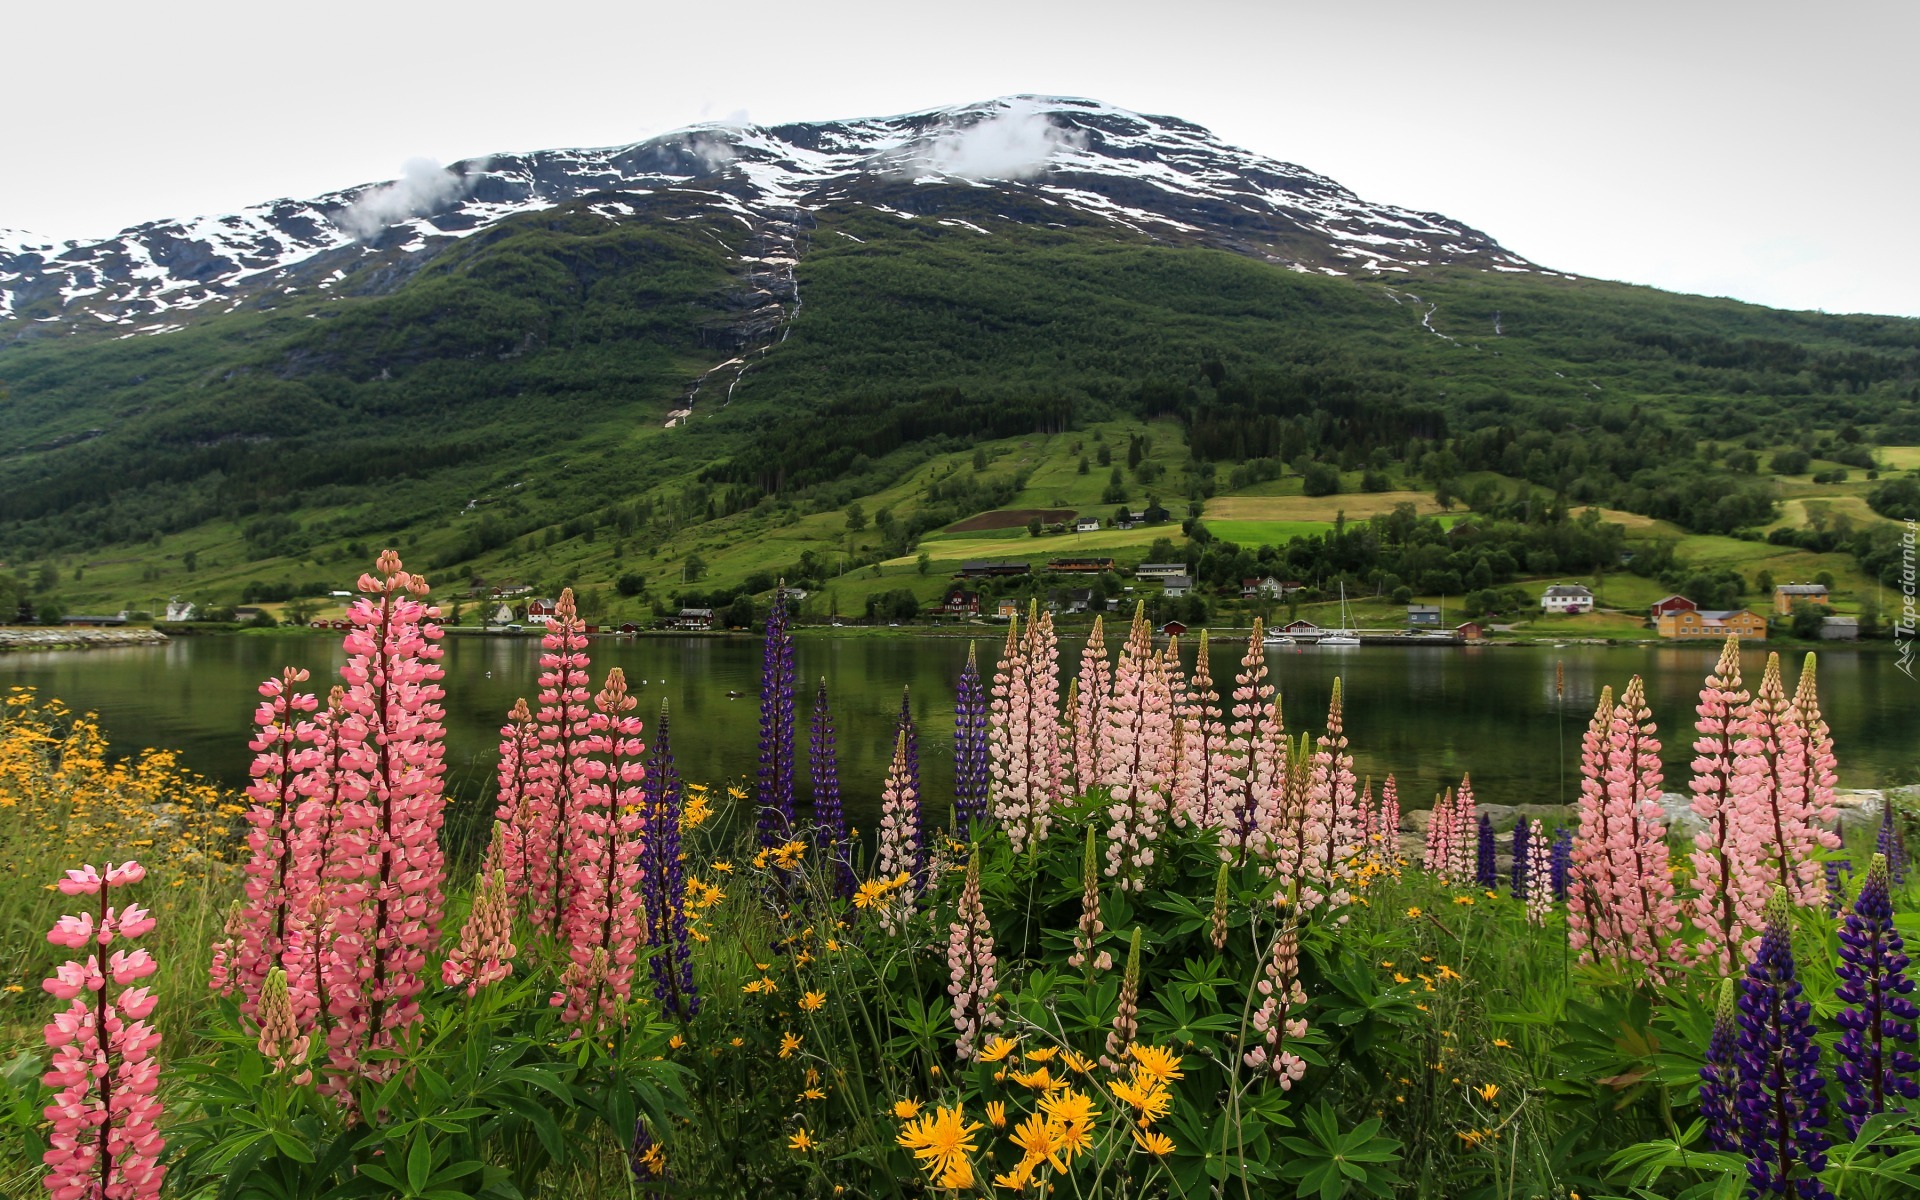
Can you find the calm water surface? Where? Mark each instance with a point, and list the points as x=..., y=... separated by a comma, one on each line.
x=1427, y=715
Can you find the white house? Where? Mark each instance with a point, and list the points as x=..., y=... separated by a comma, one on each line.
x=1177, y=585
x=502, y=615
x=1566, y=598
x=1159, y=570
x=1087, y=525
x=181, y=610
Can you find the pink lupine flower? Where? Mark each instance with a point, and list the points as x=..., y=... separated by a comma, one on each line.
x=1539, y=874
x=387, y=910
x=1433, y=855
x=486, y=950
x=1771, y=776
x=105, y=1138
x=1282, y=998
x=1139, y=751
x=1204, y=787
x=1243, y=791
x=1332, y=833
x=273, y=881
x=341, y=761
x=605, y=925
x=1087, y=932
x=281, y=1042
x=899, y=840
x=1089, y=715
x=1591, y=917
x=1628, y=871
x=1817, y=764
x=1024, y=732
x=558, y=782
x=1462, y=841
x=1389, y=824
x=520, y=756
x=970, y=967
x=1726, y=906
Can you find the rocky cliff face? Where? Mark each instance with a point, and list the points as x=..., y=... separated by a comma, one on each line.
x=1026, y=158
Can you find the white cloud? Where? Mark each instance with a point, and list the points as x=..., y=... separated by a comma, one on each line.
x=1017, y=144
x=423, y=186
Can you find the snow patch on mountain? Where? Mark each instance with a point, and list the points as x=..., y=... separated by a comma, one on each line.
x=1156, y=176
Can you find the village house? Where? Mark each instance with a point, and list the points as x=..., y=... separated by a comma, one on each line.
x=539, y=612
x=983, y=568
x=1087, y=525
x=1566, y=598
x=1670, y=604
x=1081, y=566
x=501, y=615
x=1301, y=628
x=1173, y=629
x=1176, y=585
x=1689, y=624
x=1070, y=600
x=958, y=602
x=1159, y=570
x=1008, y=609
x=1423, y=616
x=1471, y=631
x=687, y=618
x=181, y=610
x=1840, y=629
x=1253, y=589
x=1786, y=595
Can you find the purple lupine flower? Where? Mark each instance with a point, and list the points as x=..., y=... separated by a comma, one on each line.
x=905, y=728
x=1486, y=869
x=1719, y=1077
x=1888, y=842
x=829, y=819
x=773, y=791
x=1836, y=888
x=969, y=751
x=1876, y=1066
x=666, y=887
x=1520, y=860
x=1562, y=862
x=1781, y=1098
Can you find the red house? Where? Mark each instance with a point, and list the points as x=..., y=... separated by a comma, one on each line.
x=1173, y=628
x=960, y=602
x=539, y=612
x=1671, y=604
x=1471, y=631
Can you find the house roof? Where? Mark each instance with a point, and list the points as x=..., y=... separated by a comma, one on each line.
x=1675, y=596
x=1800, y=589
x=1721, y=614
x=1423, y=608
x=1178, y=581
x=1568, y=591
x=1842, y=622
x=1172, y=566
x=696, y=612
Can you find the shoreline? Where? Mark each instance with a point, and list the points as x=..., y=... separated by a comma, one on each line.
x=77, y=638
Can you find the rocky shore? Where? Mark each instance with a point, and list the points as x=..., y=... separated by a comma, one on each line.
x=77, y=638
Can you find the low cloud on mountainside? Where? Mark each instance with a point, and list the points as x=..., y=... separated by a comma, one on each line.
x=1010, y=145
x=424, y=185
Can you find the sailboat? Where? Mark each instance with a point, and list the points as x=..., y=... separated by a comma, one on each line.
x=1343, y=636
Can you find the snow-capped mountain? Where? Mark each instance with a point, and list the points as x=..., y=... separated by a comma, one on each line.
x=1156, y=175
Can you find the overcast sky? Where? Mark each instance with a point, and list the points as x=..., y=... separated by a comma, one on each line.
x=1760, y=150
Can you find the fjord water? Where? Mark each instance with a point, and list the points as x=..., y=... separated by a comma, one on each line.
x=1427, y=715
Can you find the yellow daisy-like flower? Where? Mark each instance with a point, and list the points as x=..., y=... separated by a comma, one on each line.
x=1488, y=1092
x=1412, y=913
x=1154, y=1142
x=812, y=1001
x=1078, y=1063
x=997, y=1049
x=1043, y=1054
x=1158, y=1062
x=941, y=1140
x=812, y=1093
x=1039, y=1079
x=997, y=1113
x=789, y=1043
x=738, y=1042
x=1039, y=1141
x=1069, y=1107
x=721, y=864
x=906, y=1110
x=1016, y=1179
x=676, y=1041
x=1399, y=978
x=1145, y=1096
x=801, y=1141
x=957, y=1177
x=869, y=894
x=1503, y=1043
x=1467, y=900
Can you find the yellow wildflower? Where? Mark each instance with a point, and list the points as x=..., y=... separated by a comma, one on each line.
x=812, y=1093
x=997, y=1113
x=1039, y=1079
x=1043, y=1054
x=1488, y=1092
x=1039, y=1141
x=1157, y=1062
x=1154, y=1142
x=1503, y=1043
x=801, y=1142
x=941, y=1141
x=906, y=1110
x=1412, y=913
x=789, y=1043
x=812, y=1001
x=997, y=1049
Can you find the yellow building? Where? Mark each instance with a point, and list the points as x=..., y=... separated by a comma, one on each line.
x=1686, y=625
x=1786, y=595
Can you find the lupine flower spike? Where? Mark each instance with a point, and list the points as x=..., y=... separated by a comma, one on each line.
x=823, y=764
x=1486, y=864
x=666, y=886
x=1090, y=928
x=773, y=788
x=1877, y=1063
x=1126, y=1018
x=276, y=888
x=1889, y=843
x=105, y=1137
x=391, y=871
x=1727, y=900
x=1719, y=1077
x=1540, y=894
x=970, y=966
x=1520, y=859
x=565, y=720
x=899, y=826
x=970, y=771
x=1781, y=1099
x=605, y=924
